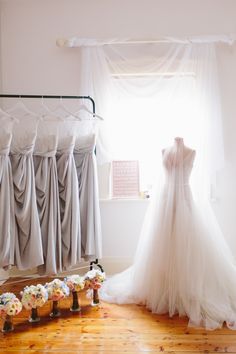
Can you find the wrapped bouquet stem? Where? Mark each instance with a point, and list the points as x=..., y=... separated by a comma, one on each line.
x=55, y=309
x=75, y=304
x=34, y=315
x=96, y=300
x=7, y=324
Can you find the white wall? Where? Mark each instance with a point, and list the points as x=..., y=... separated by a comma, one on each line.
x=225, y=205
x=31, y=63
x=0, y=49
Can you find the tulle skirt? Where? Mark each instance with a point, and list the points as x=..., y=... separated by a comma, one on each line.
x=182, y=265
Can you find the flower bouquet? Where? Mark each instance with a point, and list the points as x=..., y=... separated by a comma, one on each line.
x=57, y=290
x=10, y=306
x=93, y=280
x=75, y=283
x=34, y=296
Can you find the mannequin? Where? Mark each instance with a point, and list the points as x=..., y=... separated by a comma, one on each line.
x=182, y=263
x=179, y=144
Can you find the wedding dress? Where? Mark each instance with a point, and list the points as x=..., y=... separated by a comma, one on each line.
x=182, y=263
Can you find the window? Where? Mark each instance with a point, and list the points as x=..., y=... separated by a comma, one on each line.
x=142, y=124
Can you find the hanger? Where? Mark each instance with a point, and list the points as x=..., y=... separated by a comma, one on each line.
x=9, y=116
x=48, y=112
x=21, y=105
x=71, y=114
x=45, y=106
x=85, y=108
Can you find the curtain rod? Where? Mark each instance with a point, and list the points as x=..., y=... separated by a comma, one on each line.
x=91, y=42
x=152, y=74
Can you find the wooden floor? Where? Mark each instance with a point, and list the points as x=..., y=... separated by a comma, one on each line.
x=109, y=329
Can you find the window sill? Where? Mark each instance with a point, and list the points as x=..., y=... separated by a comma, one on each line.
x=126, y=200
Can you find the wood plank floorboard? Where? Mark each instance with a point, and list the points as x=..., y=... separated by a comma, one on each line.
x=108, y=328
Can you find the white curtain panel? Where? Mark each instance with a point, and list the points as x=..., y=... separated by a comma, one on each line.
x=149, y=93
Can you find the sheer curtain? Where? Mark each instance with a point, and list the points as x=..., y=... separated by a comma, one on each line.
x=150, y=93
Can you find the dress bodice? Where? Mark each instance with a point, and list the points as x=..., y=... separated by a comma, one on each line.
x=85, y=144
x=23, y=145
x=67, y=144
x=178, y=166
x=46, y=146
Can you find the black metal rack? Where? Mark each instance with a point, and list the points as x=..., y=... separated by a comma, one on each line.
x=59, y=97
x=51, y=97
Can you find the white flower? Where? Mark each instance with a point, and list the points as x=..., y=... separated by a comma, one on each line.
x=75, y=282
x=95, y=273
x=34, y=296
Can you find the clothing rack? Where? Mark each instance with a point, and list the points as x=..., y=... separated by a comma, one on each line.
x=51, y=97
x=89, y=98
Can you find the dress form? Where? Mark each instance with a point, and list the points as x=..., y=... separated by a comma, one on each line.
x=179, y=145
x=182, y=263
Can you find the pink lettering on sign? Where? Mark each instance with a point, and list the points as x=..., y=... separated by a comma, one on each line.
x=125, y=179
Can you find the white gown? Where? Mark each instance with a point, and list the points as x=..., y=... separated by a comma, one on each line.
x=182, y=264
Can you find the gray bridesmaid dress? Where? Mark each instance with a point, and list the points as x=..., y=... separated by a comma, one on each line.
x=7, y=217
x=69, y=203
x=28, y=242
x=85, y=160
x=47, y=194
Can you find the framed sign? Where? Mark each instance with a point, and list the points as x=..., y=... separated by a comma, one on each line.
x=125, y=178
